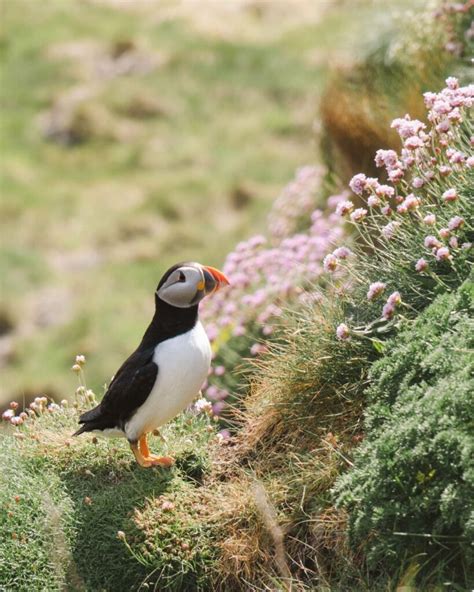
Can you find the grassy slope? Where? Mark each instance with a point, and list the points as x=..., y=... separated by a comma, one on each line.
x=63, y=504
x=165, y=161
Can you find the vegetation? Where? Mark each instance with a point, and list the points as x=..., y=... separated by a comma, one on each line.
x=68, y=505
x=361, y=100
x=409, y=494
x=348, y=464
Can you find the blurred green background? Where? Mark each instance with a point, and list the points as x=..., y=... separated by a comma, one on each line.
x=136, y=134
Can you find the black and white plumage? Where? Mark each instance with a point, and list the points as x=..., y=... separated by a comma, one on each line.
x=165, y=373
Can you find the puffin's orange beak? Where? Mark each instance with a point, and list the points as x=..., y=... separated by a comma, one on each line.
x=214, y=279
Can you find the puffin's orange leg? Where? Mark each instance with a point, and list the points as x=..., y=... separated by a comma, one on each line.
x=141, y=460
x=162, y=461
x=144, y=446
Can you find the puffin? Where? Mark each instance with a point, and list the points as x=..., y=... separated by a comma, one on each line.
x=168, y=368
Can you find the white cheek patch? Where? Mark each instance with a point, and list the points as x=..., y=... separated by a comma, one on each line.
x=178, y=293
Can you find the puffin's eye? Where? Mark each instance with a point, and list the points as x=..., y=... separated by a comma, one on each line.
x=182, y=277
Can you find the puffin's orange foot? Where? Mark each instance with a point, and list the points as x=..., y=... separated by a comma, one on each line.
x=145, y=459
x=141, y=460
x=161, y=461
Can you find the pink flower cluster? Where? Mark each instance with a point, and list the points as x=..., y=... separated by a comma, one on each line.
x=267, y=276
x=36, y=408
x=429, y=155
x=264, y=278
x=295, y=203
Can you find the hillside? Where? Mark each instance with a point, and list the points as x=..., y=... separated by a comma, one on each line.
x=331, y=447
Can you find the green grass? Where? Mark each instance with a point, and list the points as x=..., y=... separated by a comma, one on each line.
x=63, y=502
x=89, y=228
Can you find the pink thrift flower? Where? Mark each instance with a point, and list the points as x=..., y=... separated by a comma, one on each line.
x=444, y=232
x=358, y=183
x=394, y=298
x=455, y=223
x=443, y=254
x=452, y=83
x=258, y=348
x=443, y=127
x=13, y=405
x=342, y=252
x=212, y=393
x=239, y=331
x=16, y=421
x=450, y=195
x=413, y=143
x=218, y=407
x=223, y=435
x=387, y=211
x=466, y=246
x=453, y=242
x=385, y=191
x=456, y=157
x=402, y=209
x=330, y=263
x=441, y=107
x=445, y=170
x=417, y=182
x=371, y=183
x=344, y=207
x=407, y=127
x=421, y=265
x=470, y=162
x=455, y=115
x=389, y=230
x=389, y=158
x=343, y=332
x=412, y=202
x=388, y=311
x=358, y=214
x=219, y=370
x=8, y=414
x=429, y=175
x=375, y=289
x=408, y=159
x=430, y=220
x=431, y=242
x=429, y=98
x=395, y=175
x=373, y=201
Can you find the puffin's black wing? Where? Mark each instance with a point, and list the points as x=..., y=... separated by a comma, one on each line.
x=128, y=390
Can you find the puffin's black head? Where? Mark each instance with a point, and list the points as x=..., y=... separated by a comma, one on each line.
x=185, y=284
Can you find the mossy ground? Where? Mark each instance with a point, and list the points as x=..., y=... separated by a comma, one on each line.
x=65, y=499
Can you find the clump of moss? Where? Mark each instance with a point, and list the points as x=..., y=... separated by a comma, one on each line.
x=410, y=493
x=73, y=505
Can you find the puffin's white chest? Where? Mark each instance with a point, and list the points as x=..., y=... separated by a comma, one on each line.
x=183, y=364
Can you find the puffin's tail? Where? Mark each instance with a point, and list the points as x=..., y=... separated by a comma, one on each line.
x=90, y=420
x=81, y=430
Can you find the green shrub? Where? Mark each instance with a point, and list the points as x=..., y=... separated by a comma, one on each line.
x=410, y=495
